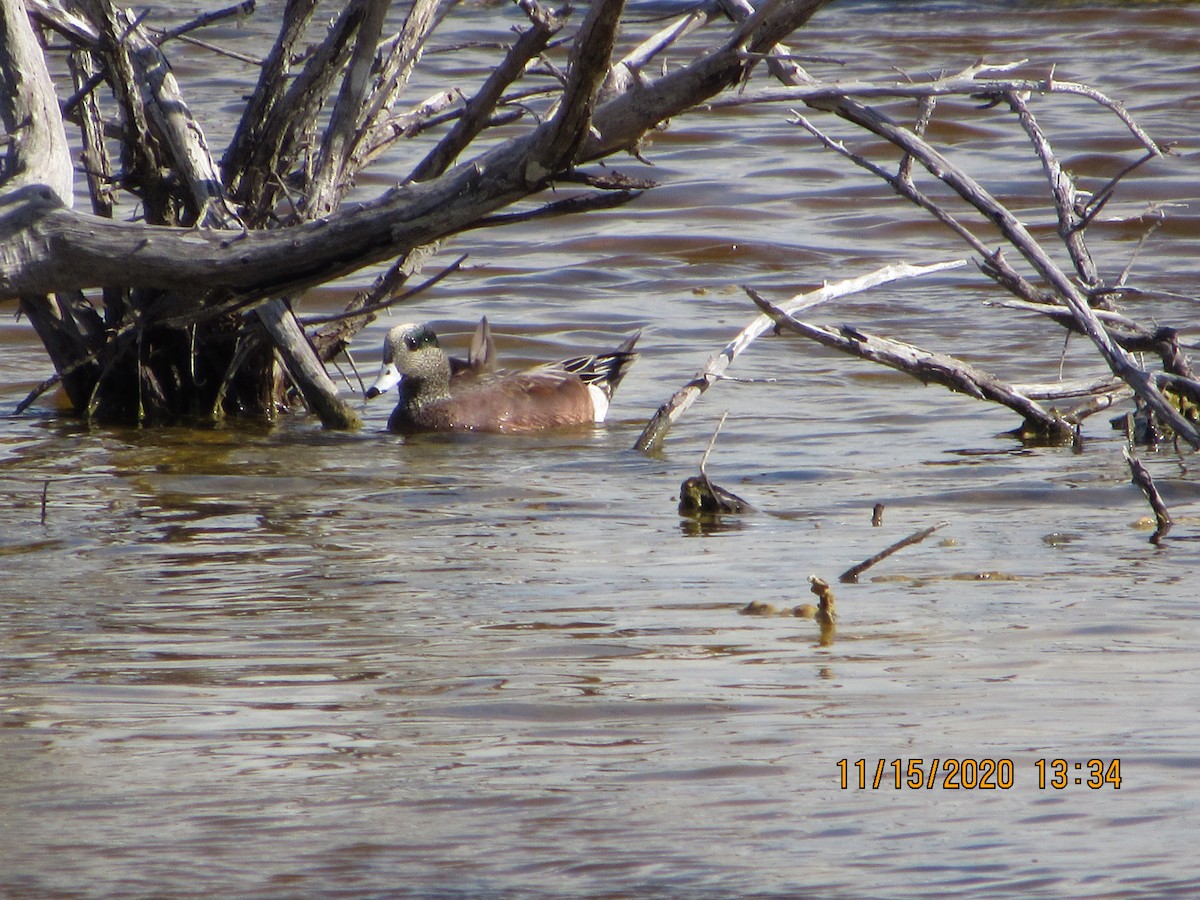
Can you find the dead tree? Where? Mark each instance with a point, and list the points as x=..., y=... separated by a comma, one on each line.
x=1079, y=299
x=184, y=309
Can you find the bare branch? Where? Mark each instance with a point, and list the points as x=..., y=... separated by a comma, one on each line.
x=1119, y=361
x=925, y=366
x=271, y=135
x=625, y=74
x=395, y=70
x=332, y=171
x=473, y=119
x=656, y=429
x=237, y=10
x=1140, y=476
x=178, y=130
x=850, y=576
x=965, y=83
x=37, y=156
x=994, y=263
x=1062, y=188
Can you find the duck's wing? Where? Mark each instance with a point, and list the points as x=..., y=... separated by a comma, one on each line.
x=522, y=401
x=602, y=370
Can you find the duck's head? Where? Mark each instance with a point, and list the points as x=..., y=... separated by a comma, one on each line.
x=410, y=351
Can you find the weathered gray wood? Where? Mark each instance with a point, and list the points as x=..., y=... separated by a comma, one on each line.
x=474, y=117
x=395, y=70
x=1119, y=361
x=842, y=100
x=173, y=124
x=1141, y=477
x=248, y=163
x=622, y=121
x=97, y=165
x=44, y=249
x=660, y=423
x=925, y=366
x=183, y=138
x=1062, y=188
x=37, y=157
x=320, y=393
x=188, y=277
x=36, y=172
x=332, y=170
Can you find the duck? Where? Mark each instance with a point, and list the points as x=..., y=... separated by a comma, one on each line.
x=469, y=395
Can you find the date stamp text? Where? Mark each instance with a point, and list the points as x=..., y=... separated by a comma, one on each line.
x=984, y=774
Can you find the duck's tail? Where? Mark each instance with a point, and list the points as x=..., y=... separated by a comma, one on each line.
x=604, y=371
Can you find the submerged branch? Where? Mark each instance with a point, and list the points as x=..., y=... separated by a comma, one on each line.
x=851, y=575
x=1140, y=476
x=925, y=366
x=656, y=429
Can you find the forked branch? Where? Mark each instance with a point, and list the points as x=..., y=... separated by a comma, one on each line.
x=1066, y=290
x=656, y=429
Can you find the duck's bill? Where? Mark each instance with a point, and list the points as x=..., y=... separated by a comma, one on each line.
x=389, y=377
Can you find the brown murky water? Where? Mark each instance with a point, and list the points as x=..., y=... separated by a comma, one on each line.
x=279, y=662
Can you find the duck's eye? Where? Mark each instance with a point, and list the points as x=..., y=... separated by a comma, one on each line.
x=414, y=340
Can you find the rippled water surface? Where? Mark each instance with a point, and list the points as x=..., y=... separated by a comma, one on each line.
x=273, y=662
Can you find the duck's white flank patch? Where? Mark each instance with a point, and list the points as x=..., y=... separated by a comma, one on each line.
x=599, y=403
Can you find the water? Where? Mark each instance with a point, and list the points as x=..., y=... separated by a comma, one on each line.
x=269, y=662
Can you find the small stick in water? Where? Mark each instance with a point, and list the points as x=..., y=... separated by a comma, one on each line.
x=698, y=496
x=851, y=575
x=1141, y=477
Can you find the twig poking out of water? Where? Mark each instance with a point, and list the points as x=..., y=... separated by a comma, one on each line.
x=826, y=613
x=45, y=494
x=699, y=496
x=851, y=575
x=1141, y=477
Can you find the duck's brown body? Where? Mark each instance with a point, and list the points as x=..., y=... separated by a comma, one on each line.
x=568, y=393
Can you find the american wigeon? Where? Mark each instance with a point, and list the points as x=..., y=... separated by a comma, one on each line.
x=436, y=396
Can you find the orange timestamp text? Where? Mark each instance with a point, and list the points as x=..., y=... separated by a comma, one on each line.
x=984, y=774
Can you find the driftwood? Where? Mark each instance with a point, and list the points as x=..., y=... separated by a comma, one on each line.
x=851, y=575
x=1080, y=301
x=656, y=429
x=1075, y=293
x=955, y=374
x=184, y=309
